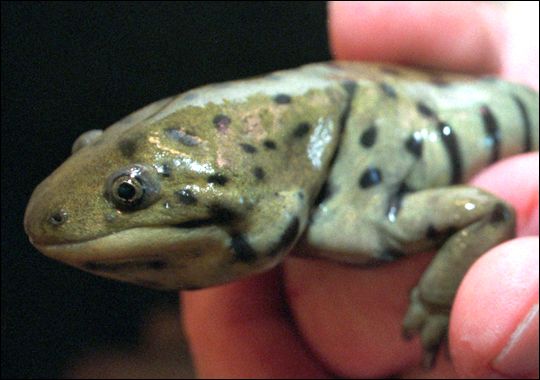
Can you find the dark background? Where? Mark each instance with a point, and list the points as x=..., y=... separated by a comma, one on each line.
x=71, y=67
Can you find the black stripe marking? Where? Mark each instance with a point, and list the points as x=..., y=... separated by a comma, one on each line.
x=186, y=196
x=425, y=110
x=243, y=251
x=436, y=235
x=395, y=202
x=527, y=133
x=388, y=90
x=350, y=88
x=218, y=215
x=221, y=214
x=451, y=145
x=287, y=237
x=493, y=134
x=414, y=144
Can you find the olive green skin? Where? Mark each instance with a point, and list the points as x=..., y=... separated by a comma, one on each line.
x=219, y=182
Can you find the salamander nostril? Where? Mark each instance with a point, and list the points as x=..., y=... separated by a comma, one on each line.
x=57, y=218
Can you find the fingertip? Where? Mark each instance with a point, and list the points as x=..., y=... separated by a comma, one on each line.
x=447, y=35
x=494, y=324
x=521, y=191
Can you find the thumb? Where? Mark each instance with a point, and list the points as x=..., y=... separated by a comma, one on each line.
x=494, y=329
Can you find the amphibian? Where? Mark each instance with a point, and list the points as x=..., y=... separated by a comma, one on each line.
x=363, y=161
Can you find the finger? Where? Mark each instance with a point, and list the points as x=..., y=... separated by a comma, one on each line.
x=521, y=190
x=461, y=36
x=494, y=325
x=242, y=330
x=520, y=47
x=351, y=317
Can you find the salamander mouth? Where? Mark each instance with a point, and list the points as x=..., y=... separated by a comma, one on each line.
x=134, y=243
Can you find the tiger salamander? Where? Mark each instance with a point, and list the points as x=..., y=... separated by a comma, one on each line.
x=363, y=161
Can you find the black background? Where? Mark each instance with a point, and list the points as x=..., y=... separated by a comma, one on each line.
x=71, y=67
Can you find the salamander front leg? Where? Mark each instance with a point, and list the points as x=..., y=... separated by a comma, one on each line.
x=464, y=222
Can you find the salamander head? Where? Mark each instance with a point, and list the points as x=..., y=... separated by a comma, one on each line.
x=153, y=202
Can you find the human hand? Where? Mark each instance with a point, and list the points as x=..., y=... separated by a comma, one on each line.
x=314, y=318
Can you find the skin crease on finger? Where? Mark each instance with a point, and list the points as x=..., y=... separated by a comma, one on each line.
x=349, y=320
x=504, y=284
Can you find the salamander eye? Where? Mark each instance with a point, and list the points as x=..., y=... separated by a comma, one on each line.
x=133, y=188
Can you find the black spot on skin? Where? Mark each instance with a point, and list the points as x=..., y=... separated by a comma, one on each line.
x=371, y=177
x=259, y=173
x=287, y=237
x=127, y=147
x=391, y=254
x=243, y=251
x=218, y=179
x=182, y=137
x=249, y=148
x=527, y=126
x=221, y=122
x=186, y=197
x=165, y=170
x=388, y=90
x=301, y=130
x=369, y=137
x=493, y=135
x=499, y=214
x=282, y=99
x=270, y=144
x=414, y=144
x=424, y=110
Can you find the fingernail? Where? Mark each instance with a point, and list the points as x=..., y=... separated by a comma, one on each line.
x=519, y=358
